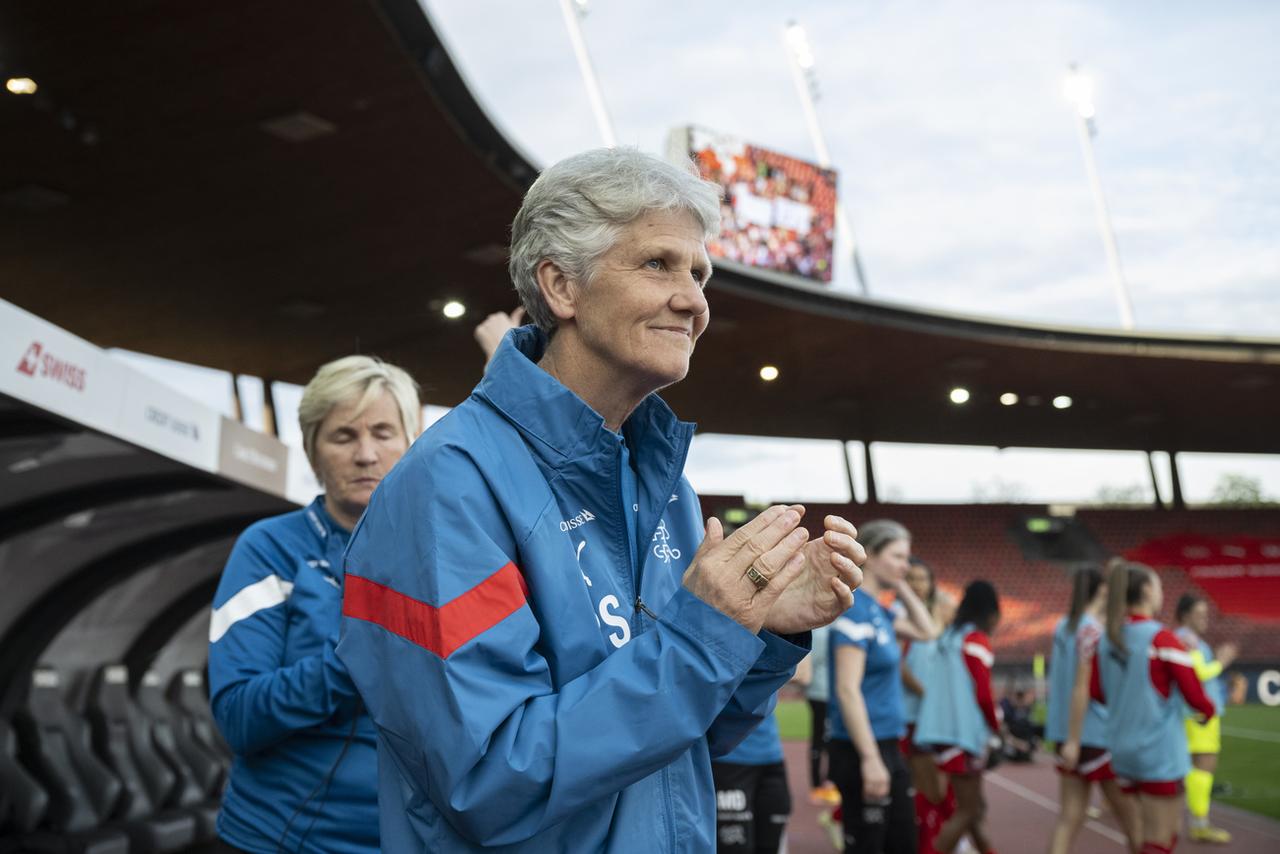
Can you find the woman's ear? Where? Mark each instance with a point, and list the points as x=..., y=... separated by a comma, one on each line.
x=558, y=290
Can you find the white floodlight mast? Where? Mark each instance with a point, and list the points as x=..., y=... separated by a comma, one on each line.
x=800, y=59
x=573, y=11
x=1078, y=89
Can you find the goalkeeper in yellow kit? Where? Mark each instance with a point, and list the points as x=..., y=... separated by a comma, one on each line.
x=1204, y=741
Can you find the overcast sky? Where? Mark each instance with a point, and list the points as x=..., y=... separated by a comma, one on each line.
x=961, y=169
x=957, y=153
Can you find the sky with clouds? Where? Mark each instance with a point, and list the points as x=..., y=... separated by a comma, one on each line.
x=961, y=170
x=962, y=173
x=958, y=157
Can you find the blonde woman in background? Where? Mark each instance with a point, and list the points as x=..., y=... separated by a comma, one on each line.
x=304, y=774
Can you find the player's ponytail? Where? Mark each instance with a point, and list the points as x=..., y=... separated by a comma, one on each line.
x=1084, y=586
x=1117, y=586
x=1125, y=585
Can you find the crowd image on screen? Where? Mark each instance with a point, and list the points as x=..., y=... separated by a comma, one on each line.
x=777, y=213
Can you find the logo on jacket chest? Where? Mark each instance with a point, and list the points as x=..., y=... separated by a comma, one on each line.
x=577, y=521
x=613, y=610
x=662, y=548
x=608, y=607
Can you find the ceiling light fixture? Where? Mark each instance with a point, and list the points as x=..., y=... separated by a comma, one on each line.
x=1062, y=402
x=21, y=85
x=959, y=395
x=453, y=309
x=768, y=373
x=1008, y=398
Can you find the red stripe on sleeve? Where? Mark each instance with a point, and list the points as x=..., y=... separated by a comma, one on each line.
x=438, y=629
x=1176, y=672
x=1095, y=682
x=980, y=670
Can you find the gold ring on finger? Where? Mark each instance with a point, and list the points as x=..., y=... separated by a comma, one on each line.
x=758, y=578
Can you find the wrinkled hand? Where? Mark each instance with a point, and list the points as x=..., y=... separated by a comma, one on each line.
x=771, y=542
x=490, y=331
x=1070, y=754
x=824, y=590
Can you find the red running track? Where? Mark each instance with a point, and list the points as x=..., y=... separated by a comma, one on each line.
x=1022, y=803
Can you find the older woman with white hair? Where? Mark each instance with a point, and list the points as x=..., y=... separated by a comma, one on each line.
x=304, y=774
x=551, y=643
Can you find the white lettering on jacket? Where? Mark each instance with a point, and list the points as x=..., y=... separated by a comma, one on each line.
x=578, y=521
x=618, y=622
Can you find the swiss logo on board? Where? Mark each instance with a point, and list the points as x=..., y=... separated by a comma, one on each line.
x=37, y=363
x=30, y=359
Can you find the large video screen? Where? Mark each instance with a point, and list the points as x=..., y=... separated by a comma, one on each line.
x=779, y=213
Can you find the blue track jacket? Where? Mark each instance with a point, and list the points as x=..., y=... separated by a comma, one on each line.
x=283, y=700
x=536, y=684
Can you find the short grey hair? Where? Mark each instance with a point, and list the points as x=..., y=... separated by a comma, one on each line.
x=359, y=379
x=575, y=211
x=877, y=534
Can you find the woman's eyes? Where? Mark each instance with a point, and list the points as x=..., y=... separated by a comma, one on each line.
x=699, y=276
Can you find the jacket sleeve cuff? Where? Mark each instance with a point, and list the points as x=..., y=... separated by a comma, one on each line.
x=689, y=615
x=783, y=652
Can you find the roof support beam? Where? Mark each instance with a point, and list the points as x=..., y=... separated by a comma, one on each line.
x=872, y=498
x=1178, y=503
x=1155, y=483
x=848, y=472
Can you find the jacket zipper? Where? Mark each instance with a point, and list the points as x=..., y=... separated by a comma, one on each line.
x=641, y=608
x=633, y=571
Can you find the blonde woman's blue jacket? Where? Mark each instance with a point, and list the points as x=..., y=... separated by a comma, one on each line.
x=537, y=682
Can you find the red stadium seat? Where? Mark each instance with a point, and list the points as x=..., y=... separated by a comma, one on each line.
x=965, y=542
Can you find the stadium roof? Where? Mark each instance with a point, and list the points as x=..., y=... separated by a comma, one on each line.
x=261, y=187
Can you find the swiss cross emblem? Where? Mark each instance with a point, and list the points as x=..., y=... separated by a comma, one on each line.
x=30, y=359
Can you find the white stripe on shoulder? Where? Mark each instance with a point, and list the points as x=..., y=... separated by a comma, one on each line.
x=980, y=652
x=854, y=631
x=266, y=593
x=1176, y=656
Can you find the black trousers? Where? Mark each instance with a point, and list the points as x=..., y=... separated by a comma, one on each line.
x=882, y=827
x=752, y=806
x=817, y=743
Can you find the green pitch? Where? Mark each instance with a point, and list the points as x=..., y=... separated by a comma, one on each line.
x=1250, y=760
x=793, y=720
x=1249, y=765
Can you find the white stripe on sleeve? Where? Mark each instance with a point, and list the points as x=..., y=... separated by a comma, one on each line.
x=266, y=593
x=980, y=652
x=1176, y=656
x=854, y=631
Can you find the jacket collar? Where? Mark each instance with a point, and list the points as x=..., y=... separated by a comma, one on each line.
x=322, y=524
x=562, y=423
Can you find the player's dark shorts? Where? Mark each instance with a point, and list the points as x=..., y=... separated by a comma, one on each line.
x=907, y=744
x=1093, y=766
x=752, y=806
x=956, y=762
x=1159, y=788
x=887, y=825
